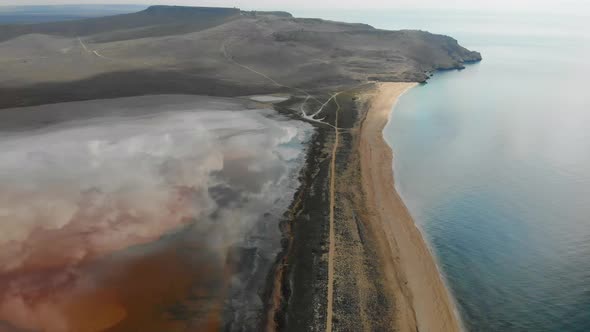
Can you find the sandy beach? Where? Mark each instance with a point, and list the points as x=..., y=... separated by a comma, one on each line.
x=422, y=300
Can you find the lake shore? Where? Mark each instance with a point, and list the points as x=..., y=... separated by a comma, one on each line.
x=422, y=300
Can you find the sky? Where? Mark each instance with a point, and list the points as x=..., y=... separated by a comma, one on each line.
x=526, y=5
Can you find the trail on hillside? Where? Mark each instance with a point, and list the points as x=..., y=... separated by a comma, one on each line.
x=312, y=117
x=332, y=246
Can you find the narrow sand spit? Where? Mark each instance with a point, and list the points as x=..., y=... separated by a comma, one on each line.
x=423, y=303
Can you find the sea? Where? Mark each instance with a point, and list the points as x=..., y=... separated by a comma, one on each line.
x=493, y=163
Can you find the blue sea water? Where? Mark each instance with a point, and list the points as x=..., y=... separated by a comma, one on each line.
x=493, y=163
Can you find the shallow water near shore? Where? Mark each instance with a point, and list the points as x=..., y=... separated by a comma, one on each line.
x=493, y=163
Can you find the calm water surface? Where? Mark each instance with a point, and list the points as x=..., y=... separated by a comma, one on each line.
x=494, y=165
x=101, y=200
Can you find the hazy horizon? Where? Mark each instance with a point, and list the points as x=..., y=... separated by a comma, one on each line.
x=573, y=6
x=200, y=169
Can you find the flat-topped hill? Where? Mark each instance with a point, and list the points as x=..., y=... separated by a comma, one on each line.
x=213, y=51
x=184, y=19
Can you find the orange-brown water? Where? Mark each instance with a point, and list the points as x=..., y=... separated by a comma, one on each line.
x=169, y=285
x=123, y=223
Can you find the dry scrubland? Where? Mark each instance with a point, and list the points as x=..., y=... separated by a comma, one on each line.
x=192, y=50
x=351, y=257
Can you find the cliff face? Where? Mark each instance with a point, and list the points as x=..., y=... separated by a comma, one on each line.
x=214, y=51
x=363, y=52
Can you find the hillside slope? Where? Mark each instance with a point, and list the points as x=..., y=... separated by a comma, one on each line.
x=189, y=18
x=216, y=51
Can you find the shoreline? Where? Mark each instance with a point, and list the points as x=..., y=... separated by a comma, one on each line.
x=422, y=299
x=379, y=263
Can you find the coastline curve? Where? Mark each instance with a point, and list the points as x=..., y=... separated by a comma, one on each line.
x=423, y=300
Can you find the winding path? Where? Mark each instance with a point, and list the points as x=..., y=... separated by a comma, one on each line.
x=83, y=45
x=332, y=247
x=312, y=117
x=95, y=52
